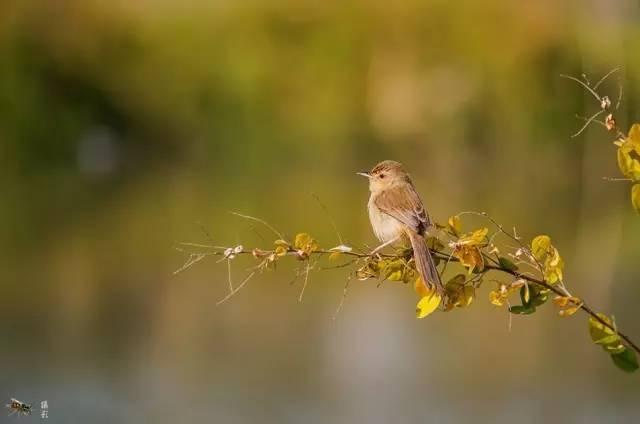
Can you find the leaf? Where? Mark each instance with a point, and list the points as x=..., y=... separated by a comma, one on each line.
x=496, y=298
x=454, y=225
x=334, y=256
x=458, y=294
x=420, y=287
x=522, y=309
x=469, y=294
x=540, y=246
x=305, y=245
x=478, y=236
x=625, y=360
x=614, y=348
x=635, y=197
x=540, y=298
x=634, y=134
x=427, y=305
x=281, y=251
x=434, y=243
x=301, y=240
x=629, y=159
x=281, y=243
x=507, y=264
x=525, y=295
x=601, y=334
x=457, y=280
x=395, y=270
x=469, y=257
x=569, y=311
x=553, y=266
x=561, y=301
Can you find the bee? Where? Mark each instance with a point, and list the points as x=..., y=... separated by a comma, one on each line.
x=20, y=407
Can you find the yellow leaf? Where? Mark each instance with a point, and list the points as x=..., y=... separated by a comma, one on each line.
x=629, y=159
x=496, y=298
x=334, y=255
x=569, y=311
x=474, y=238
x=454, y=225
x=281, y=243
x=561, y=301
x=395, y=270
x=553, y=267
x=305, y=243
x=470, y=257
x=468, y=294
x=301, y=240
x=635, y=197
x=420, y=287
x=540, y=246
x=427, y=305
x=634, y=134
x=281, y=251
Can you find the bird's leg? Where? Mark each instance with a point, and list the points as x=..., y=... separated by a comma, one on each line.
x=383, y=245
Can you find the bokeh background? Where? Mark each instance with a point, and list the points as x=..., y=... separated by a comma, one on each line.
x=126, y=125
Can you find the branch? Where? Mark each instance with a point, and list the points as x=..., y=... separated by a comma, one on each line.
x=375, y=265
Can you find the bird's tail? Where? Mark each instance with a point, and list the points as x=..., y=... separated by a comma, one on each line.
x=424, y=263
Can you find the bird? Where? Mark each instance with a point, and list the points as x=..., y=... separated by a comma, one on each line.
x=396, y=213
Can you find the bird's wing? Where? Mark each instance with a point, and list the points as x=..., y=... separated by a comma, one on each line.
x=403, y=203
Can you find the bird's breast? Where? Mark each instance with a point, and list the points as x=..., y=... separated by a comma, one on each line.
x=385, y=227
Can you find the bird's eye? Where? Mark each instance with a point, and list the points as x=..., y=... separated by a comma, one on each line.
x=381, y=175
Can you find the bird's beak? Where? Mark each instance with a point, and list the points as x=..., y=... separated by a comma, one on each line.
x=364, y=174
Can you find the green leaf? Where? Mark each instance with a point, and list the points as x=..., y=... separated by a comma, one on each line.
x=614, y=348
x=635, y=197
x=625, y=360
x=395, y=270
x=456, y=280
x=522, y=309
x=525, y=295
x=601, y=334
x=507, y=263
x=434, y=243
x=540, y=246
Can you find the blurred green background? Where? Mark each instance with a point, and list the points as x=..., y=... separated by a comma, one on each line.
x=123, y=124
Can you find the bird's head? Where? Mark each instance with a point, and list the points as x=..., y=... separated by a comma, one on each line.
x=386, y=174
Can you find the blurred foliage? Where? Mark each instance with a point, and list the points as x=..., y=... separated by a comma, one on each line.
x=122, y=123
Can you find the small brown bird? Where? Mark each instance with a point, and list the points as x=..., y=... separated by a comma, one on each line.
x=396, y=212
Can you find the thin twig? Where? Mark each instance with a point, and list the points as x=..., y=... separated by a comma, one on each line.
x=588, y=121
x=236, y=290
x=326, y=211
x=229, y=275
x=586, y=87
x=263, y=222
x=608, y=74
x=306, y=280
x=344, y=297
